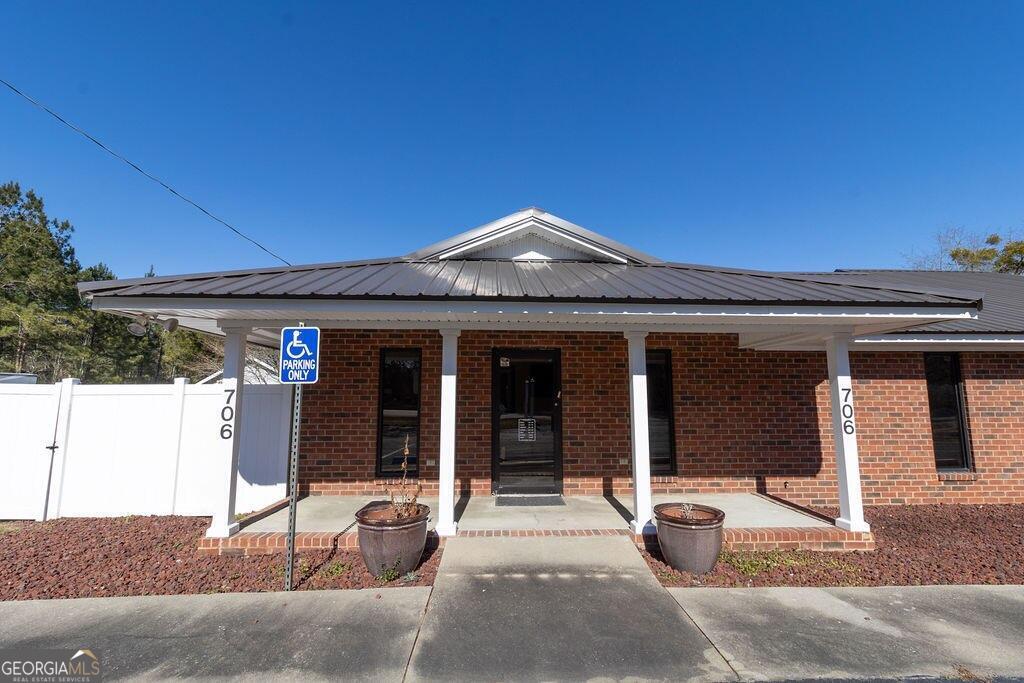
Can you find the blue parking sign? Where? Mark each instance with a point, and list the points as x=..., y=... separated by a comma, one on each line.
x=300, y=355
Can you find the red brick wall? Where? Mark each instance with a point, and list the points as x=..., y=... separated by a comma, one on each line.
x=745, y=420
x=339, y=413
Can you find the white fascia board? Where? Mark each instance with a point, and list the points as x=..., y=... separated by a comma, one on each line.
x=940, y=342
x=246, y=311
x=534, y=225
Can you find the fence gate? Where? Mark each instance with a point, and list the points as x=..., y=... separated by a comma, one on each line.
x=26, y=436
x=75, y=450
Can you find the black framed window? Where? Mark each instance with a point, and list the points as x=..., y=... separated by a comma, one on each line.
x=948, y=411
x=399, y=420
x=660, y=426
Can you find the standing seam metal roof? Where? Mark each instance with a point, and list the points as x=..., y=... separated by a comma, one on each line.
x=1003, y=294
x=402, y=278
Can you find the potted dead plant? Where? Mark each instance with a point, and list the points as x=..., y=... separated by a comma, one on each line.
x=393, y=532
x=690, y=535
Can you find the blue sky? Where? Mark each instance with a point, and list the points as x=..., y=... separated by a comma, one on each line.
x=763, y=135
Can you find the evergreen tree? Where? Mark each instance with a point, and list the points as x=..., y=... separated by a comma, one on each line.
x=46, y=327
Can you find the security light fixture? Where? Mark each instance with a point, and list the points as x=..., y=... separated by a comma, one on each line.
x=139, y=326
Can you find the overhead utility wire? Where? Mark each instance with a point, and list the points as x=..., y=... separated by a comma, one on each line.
x=136, y=167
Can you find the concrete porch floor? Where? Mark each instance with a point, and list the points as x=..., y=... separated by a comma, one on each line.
x=479, y=513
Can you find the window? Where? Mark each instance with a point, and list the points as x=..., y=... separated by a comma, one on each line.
x=399, y=419
x=659, y=412
x=948, y=413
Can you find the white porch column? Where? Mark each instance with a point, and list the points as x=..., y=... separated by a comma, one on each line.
x=229, y=434
x=844, y=430
x=446, y=475
x=642, y=512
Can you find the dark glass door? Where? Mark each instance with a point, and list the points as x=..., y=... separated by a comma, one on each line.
x=526, y=423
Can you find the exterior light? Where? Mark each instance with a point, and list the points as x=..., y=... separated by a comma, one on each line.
x=139, y=326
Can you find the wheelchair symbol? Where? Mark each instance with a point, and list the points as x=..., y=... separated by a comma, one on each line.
x=297, y=348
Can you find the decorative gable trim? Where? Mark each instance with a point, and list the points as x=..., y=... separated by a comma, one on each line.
x=531, y=247
x=532, y=227
x=590, y=245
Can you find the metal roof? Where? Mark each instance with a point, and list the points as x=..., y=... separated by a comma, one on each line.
x=1003, y=294
x=496, y=280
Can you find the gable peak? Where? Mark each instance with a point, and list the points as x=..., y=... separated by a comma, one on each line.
x=533, y=233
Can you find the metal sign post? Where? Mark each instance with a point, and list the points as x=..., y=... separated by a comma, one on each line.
x=293, y=485
x=299, y=364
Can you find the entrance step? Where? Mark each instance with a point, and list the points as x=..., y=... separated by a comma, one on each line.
x=528, y=501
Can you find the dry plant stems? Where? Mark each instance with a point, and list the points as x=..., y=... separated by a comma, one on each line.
x=686, y=510
x=404, y=496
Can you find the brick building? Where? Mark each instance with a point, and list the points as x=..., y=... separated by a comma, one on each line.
x=531, y=355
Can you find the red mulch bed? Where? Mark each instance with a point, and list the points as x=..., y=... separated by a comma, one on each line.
x=916, y=545
x=100, y=557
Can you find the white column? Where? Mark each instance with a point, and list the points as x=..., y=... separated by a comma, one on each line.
x=229, y=434
x=640, y=436
x=446, y=475
x=844, y=429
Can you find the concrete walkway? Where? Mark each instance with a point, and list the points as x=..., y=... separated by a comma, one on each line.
x=543, y=609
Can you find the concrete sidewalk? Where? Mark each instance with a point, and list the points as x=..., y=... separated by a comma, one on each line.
x=864, y=633
x=549, y=609
x=517, y=609
x=306, y=635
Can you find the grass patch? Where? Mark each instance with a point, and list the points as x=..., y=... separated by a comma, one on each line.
x=757, y=563
x=336, y=569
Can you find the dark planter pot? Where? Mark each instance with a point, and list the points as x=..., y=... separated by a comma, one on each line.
x=387, y=544
x=690, y=545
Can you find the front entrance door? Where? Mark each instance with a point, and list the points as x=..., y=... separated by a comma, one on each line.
x=526, y=421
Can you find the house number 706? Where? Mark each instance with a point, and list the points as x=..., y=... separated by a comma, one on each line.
x=847, y=410
x=227, y=414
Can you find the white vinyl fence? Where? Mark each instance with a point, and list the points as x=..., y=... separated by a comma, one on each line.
x=77, y=450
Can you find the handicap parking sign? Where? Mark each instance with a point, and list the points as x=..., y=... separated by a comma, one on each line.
x=300, y=355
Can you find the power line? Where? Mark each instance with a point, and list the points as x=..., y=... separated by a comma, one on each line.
x=136, y=167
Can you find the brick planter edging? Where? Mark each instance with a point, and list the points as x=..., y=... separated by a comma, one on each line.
x=773, y=538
